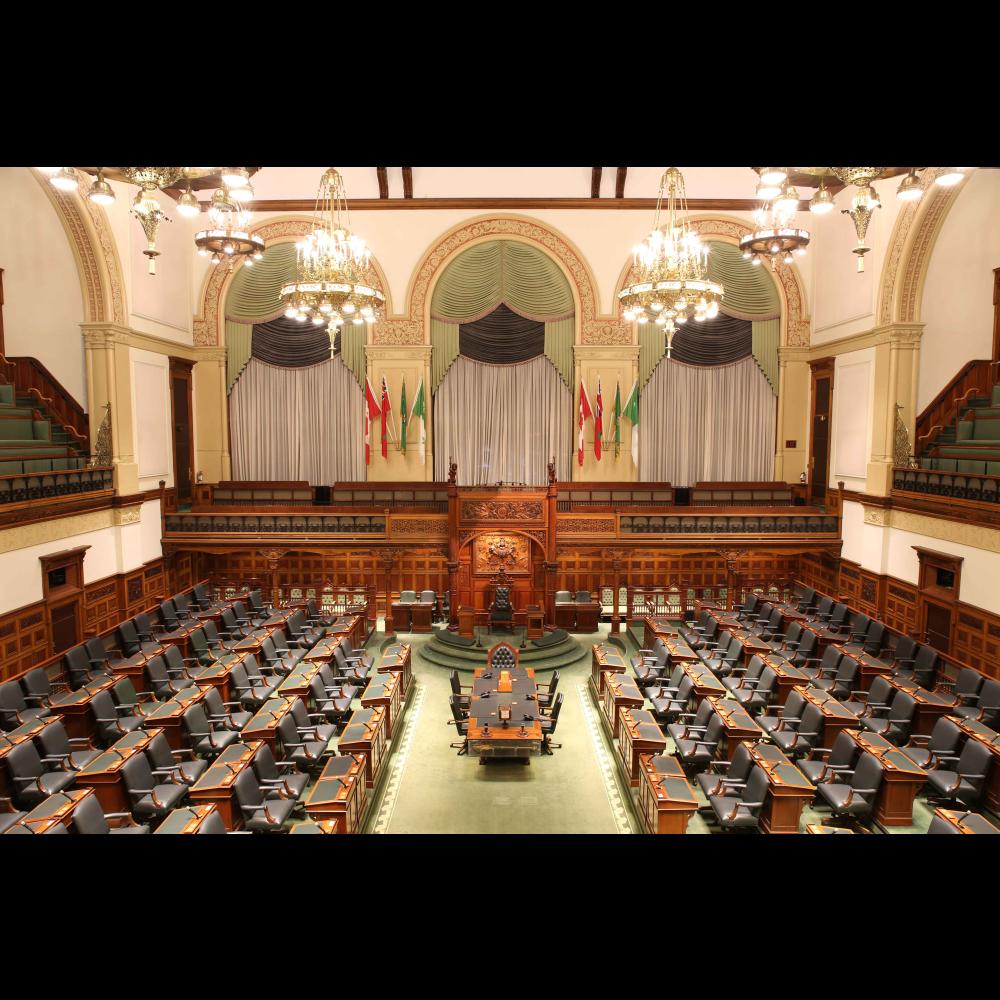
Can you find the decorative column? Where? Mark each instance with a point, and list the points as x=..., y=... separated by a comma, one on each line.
x=550, y=564
x=732, y=558
x=388, y=558
x=618, y=558
x=273, y=557
x=452, y=564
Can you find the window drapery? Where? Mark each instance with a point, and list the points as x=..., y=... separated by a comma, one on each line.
x=707, y=423
x=297, y=423
x=502, y=423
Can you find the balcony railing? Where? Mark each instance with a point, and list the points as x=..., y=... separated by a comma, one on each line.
x=955, y=485
x=49, y=485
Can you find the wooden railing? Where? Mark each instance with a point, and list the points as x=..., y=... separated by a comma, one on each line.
x=975, y=378
x=31, y=378
x=49, y=485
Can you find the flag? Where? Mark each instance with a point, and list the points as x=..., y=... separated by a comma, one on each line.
x=386, y=410
x=585, y=414
x=420, y=411
x=402, y=419
x=371, y=412
x=598, y=421
x=632, y=412
x=618, y=419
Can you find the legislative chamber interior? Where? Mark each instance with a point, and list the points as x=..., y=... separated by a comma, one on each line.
x=500, y=500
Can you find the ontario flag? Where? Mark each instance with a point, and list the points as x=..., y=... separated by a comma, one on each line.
x=585, y=414
x=386, y=409
x=598, y=421
x=371, y=412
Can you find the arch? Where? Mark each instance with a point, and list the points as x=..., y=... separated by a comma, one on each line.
x=94, y=250
x=901, y=283
x=469, y=536
x=414, y=326
x=209, y=326
x=726, y=229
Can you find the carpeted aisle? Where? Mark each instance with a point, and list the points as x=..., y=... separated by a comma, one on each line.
x=436, y=791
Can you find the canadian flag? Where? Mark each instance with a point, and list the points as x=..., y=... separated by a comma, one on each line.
x=598, y=421
x=385, y=418
x=585, y=414
x=371, y=412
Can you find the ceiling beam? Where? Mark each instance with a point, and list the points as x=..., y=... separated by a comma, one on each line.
x=620, y=182
x=500, y=204
x=595, y=182
x=383, y=182
x=407, y=182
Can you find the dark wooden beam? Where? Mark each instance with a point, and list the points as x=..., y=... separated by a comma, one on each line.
x=383, y=181
x=407, y=182
x=595, y=182
x=505, y=204
x=3, y=349
x=620, y=182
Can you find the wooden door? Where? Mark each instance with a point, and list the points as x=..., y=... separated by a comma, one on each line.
x=183, y=424
x=937, y=626
x=64, y=620
x=819, y=444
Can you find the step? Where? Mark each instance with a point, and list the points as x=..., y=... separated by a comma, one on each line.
x=6, y=393
x=995, y=396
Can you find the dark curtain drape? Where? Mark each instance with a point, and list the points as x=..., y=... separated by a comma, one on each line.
x=719, y=341
x=501, y=338
x=290, y=344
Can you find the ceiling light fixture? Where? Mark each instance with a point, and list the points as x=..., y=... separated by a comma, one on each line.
x=100, y=191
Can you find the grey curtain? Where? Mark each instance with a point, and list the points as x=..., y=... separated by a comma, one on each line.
x=718, y=341
x=502, y=423
x=290, y=344
x=706, y=423
x=297, y=423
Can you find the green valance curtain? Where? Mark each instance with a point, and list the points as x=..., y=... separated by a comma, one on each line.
x=519, y=276
x=254, y=297
x=750, y=293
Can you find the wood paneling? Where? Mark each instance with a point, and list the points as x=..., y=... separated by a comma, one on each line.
x=24, y=639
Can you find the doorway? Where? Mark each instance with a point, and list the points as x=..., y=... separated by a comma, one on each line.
x=181, y=410
x=819, y=443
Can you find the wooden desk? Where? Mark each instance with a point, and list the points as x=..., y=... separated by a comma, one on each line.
x=253, y=642
x=340, y=792
x=824, y=637
x=169, y=715
x=366, y=734
x=752, y=644
x=588, y=617
x=737, y=724
x=639, y=734
x=965, y=822
x=565, y=616
x=931, y=705
x=355, y=627
x=57, y=808
x=103, y=773
x=264, y=724
x=296, y=684
x=26, y=731
x=74, y=707
x=819, y=828
x=605, y=659
x=217, y=674
x=991, y=739
x=180, y=637
x=620, y=691
x=678, y=651
x=322, y=826
x=868, y=667
x=657, y=627
x=401, y=616
x=186, y=820
x=135, y=669
x=421, y=616
x=787, y=677
x=384, y=690
x=706, y=684
x=666, y=799
x=520, y=738
x=901, y=779
x=835, y=715
x=323, y=651
x=217, y=784
x=534, y=623
x=788, y=791
x=397, y=659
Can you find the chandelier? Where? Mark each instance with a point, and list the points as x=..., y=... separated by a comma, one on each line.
x=228, y=236
x=672, y=268
x=775, y=236
x=333, y=281
x=146, y=207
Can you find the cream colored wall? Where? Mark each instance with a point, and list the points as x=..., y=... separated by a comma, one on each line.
x=845, y=301
x=852, y=418
x=958, y=291
x=612, y=364
x=397, y=364
x=151, y=418
x=43, y=303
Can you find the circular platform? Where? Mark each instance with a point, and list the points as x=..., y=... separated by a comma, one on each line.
x=444, y=653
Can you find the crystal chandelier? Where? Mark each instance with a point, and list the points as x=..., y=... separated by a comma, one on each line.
x=333, y=282
x=863, y=203
x=775, y=235
x=672, y=268
x=228, y=236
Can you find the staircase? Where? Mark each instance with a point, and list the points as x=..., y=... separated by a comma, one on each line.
x=31, y=440
x=969, y=443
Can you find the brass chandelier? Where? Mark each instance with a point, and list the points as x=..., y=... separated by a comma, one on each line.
x=228, y=237
x=672, y=268
x=775, y=237
x=333, y=282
